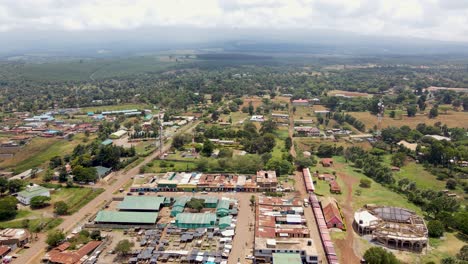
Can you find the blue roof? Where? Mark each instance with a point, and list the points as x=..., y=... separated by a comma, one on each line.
x=107, y=142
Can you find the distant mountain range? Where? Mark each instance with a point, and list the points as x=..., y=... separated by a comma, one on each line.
x=64, y=44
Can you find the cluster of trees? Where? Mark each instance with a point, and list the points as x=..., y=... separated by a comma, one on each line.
x=11, y=186
x=327, y=150
x=249, y=163
x=370, y=164
x=341, y=118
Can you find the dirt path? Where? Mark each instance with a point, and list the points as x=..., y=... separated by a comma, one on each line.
x=346, y=246
x=291, y=131
x=35, y=252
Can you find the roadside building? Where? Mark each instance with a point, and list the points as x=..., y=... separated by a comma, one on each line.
x=332, y=216
x=126, y=218
x=14, y=237
x=300, y=102
x=222, y=209
x=225, y=222
x=61, y=254
x=179, y=205
x=195, y=220
x=286, y=258
x=141, y=203
x=30, y=192
x=307, y=131
x=102, y=171
x=267, y=181
x=4, y=250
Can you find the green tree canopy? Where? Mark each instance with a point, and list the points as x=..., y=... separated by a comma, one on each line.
x=378, y=255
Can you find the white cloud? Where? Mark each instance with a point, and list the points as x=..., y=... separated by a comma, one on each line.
x=434, y=19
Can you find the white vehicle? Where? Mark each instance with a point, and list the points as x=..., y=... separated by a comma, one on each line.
x=204, y=192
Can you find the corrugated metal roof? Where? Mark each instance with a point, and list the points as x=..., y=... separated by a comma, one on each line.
x=286, y=258
x=144, y=203
x=126, y=217
x=198, y=218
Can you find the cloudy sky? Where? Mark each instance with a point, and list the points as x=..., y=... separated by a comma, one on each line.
x=432, y=19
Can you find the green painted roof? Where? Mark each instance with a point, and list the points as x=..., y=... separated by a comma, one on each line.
x=286, y=258
x=147, y=203
x=107, y=142
x=223, y=205
x=227, y=220
x=33, y=191
x=198, y=218
x=101, y=171
x=208, y=199
x=126, y=217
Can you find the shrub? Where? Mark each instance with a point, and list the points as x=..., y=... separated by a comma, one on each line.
x=435, y=228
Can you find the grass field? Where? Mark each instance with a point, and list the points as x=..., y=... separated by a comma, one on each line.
x=115, y=107
x=46, y=223
x=235, y=116
x=75, y=198
x=176, y=166
x=451, y=119
x=40, y=150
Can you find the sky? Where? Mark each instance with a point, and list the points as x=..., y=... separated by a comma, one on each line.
x=431, y=19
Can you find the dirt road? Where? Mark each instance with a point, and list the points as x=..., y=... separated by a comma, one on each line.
x=347, y=246
x=34, y=254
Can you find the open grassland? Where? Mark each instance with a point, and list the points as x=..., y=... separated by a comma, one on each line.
x=451, y=119
x=236, y=117
x=35, y=224
x=114, y=107
x=75, y=197
x=176, y=166
x=309, y=143
x=348, y=93
x=39, y=150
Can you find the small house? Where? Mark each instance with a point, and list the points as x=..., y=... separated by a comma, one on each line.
x=332, y=216
x=326, y=162
x=334, y=187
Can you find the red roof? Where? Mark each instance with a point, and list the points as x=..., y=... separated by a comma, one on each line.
x=4, y=250
x=334, y=186
x=332, y=214
x=72, y=257
x=327, y=161
x=300, y=101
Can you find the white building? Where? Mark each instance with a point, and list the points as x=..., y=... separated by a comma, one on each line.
x=25, y=196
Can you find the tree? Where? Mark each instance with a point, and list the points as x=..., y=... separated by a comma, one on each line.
x=451, y=184
x=54, y=238
x=95, y=235
x=378, y=255
x=208, y=148
x=252, y=200
x=463, y=254
x=325, y=150
x=55, y=162
x=269, y=126
x=411, y=110
x=435, y=228
x=84, y=174
x=61, y=208
x=123, y=247
x=251, y=108
x=39, y=202
x=196, y=204
x=448, y=260
x=365, y=183
x=398, y=159
x=8, y=208
x=392, y=114
x=16, y=185
x=305, y=162
x=434, y=112
x=280, y=166
x=179, y=141
x=3, y=185
x=48, y=175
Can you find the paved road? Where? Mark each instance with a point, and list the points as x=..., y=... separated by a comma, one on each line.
x=34, y=254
